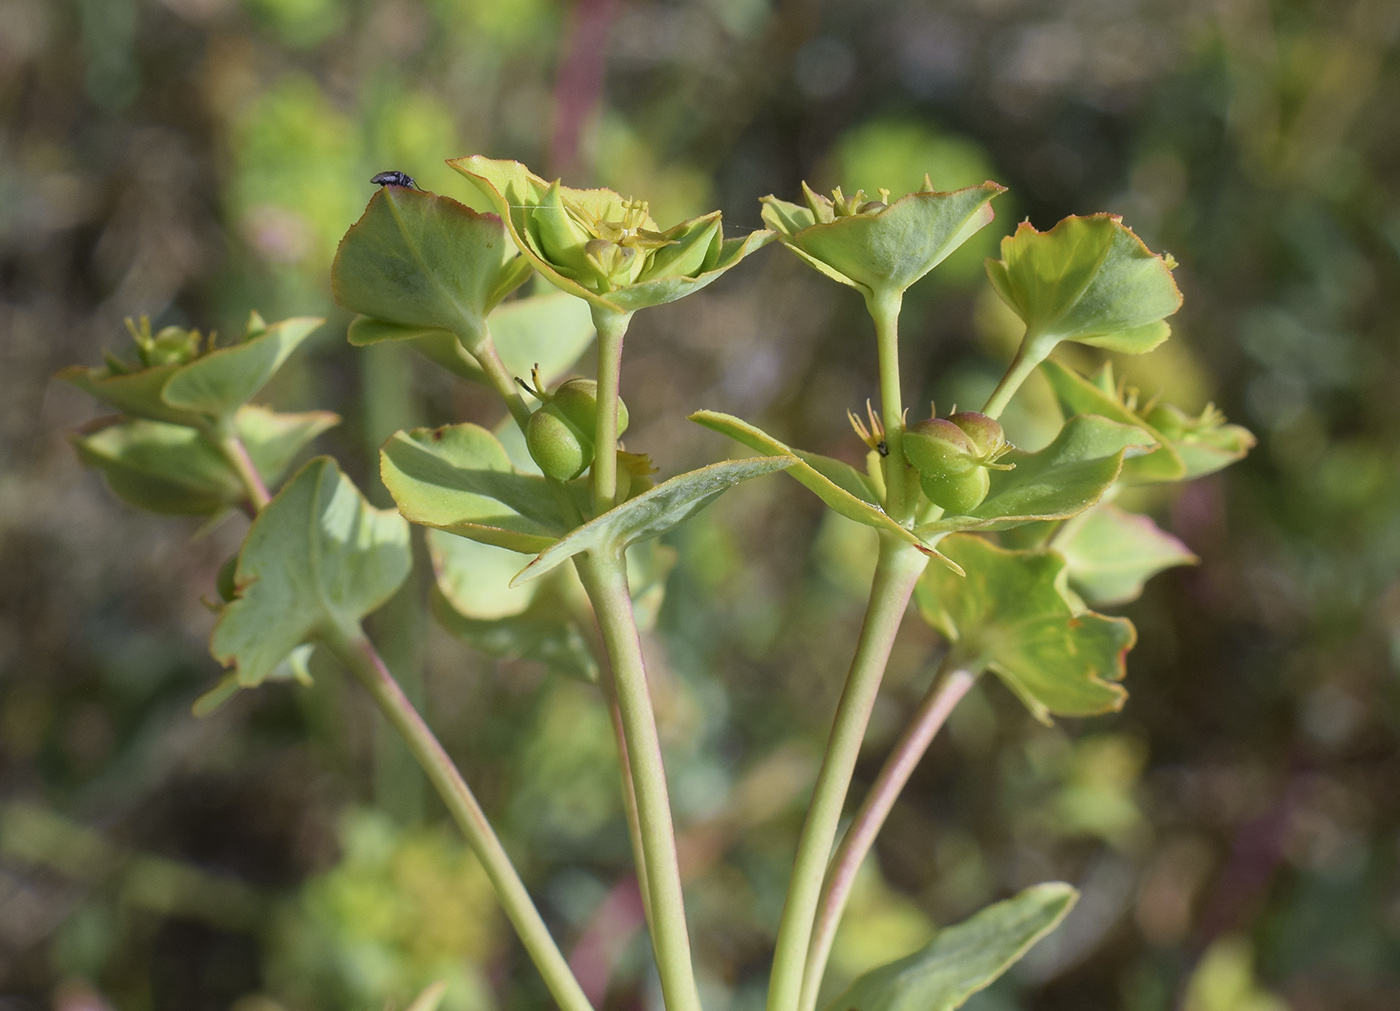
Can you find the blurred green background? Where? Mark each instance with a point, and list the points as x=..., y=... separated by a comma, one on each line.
x=1236, y=830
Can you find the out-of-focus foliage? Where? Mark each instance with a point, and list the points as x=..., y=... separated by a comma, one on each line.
x=1234, y=829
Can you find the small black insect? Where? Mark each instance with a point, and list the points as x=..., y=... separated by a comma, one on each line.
x=882, y=448
x=394, y=179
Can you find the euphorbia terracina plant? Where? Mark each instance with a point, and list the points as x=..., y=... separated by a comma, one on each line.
x=571, y=519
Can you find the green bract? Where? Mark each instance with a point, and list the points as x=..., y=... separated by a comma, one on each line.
x=198, y=391
x=1109, y=553
x=877, y=247
x=1008, y=616
x=964, y=958
x=418, y=261
x=601, y=247
x=315, y=562
x=1187, y=447
x=1088, y=279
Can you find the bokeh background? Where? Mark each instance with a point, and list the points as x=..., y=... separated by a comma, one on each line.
x=1236, y=830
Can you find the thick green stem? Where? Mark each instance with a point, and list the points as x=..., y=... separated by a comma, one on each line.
x=236, y=453
x=612, y=328
x=948, y=688
x=1029, y=355
x=359, y=655
x=501, y=381
x=896, y=572
x=605, y=578
x=884, y=310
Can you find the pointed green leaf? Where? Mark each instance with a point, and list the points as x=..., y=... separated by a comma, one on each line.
x=316, y=560
x=296, y=667
x=1110, y=553
x=653, y=512
x=175, y=469
x=964, y=958
x=1088, y=279
x=136, y=394
x=459, y=479
x=217, y=384
x=658, y=288
x=550, y=331
x=890, y=249
x=1078, y=395
x=420, y=260
x=838, y=484
x=1008, y=616
x=1063, y=479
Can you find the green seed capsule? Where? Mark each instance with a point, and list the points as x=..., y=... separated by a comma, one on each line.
x=958, y=494
x=983, y=432
x=560, y=434
x=937, y=447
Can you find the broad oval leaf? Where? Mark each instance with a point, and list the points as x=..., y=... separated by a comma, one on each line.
x=545, y=332
x=1088, y=279
x=1061, y=480
x=964, y=958
x=316, y=560
x=1110, y=553
x=838, y=484
x=460, y=479
x=419, y=260
x=1008, y=616
x=653, y=512
x=177, y=470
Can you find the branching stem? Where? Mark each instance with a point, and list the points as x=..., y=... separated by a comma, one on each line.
x=359, y=655
x=236, y=453
x=948, y=688
x=896, y=572
x=605, y=579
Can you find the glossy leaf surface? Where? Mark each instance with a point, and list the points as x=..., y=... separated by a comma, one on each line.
x=317, y=559
x=964, y=958
x=1110, y=553
x=653, y=512
x=1061, y=480
x=1008, y=616
x=419, y=260
x=1088, y=279
x=460, y=479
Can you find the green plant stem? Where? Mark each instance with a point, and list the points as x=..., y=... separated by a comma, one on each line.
x=896, y=572
x=359, y=655
x=605, y=579
x=1029, y=355
x=884, y=310
x=949, y=686
x=612, y=328
x=236, y=453
x=502, y=381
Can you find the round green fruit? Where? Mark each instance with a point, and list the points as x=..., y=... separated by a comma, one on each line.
x=939, y=447
x=958, y=494
x=560, y=434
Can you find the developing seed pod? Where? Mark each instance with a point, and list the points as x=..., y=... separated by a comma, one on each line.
x=984, y=433
x=560, y=434
x=949, y=463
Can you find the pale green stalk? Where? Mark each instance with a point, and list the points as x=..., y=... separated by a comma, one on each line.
x=884, y=310
x=1029, y=355
x=612, y=328
x=502, y=382
x=236, y=453
x=605, y=579
x=949, y=686
x=897, y=570
x=358, y=654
